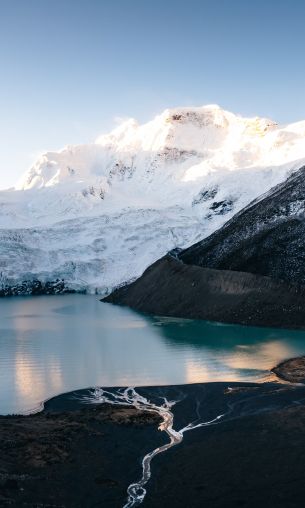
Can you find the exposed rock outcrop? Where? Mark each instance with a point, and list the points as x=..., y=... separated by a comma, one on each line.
x=35, y=287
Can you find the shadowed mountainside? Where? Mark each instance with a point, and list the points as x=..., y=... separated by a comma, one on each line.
x=248, y=272
x=267, y=237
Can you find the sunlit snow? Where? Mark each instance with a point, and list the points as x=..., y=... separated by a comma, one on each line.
x=97, y=215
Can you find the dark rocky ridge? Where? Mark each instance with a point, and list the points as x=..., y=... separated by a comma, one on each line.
x=171, y=288
x=267, y=237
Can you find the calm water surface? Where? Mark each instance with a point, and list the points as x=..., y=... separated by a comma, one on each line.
x=54, y=344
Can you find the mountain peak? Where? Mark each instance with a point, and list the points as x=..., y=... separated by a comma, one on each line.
x=99, y=214
x=181, y=142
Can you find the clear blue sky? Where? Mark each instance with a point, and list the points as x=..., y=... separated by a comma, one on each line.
x=69, y=67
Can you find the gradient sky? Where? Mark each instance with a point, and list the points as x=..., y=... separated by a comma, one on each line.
x=69, y=67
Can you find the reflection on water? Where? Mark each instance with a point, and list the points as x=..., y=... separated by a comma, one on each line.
x=55, y=344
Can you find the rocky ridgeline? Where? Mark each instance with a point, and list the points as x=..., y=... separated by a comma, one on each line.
x=266, y=237
x=35, y=287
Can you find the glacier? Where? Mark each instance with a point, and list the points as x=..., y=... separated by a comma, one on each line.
x=97, y=215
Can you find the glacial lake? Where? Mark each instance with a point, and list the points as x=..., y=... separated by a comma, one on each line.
x=54, y=344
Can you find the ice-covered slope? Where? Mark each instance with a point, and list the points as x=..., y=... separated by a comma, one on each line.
x=97, y=215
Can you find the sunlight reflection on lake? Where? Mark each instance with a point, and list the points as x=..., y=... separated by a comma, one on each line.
x=54, y=344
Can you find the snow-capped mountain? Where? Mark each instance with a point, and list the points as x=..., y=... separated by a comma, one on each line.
x=97, y=215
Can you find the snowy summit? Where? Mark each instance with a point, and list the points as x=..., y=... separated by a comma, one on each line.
x=97, y=215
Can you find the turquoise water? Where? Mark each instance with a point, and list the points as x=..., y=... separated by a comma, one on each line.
x=54, y=344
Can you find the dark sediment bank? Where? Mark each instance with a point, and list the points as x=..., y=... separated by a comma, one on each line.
x=172, y=288
x=72, y=455
x=255, y=461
